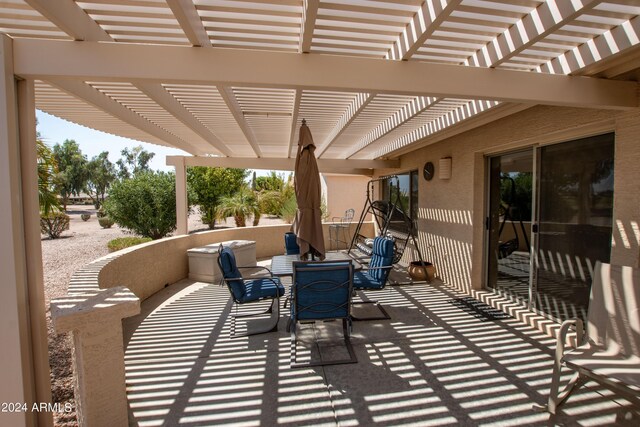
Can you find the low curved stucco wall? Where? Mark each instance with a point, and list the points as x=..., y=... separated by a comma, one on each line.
x=145, y=269
x=110, y=289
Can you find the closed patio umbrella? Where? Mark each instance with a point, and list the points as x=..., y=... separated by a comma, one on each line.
x=308, y=221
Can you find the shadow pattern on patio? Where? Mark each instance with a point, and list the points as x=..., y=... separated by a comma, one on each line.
x=436, y=362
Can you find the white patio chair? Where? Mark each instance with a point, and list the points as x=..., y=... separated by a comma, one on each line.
x=610, y=351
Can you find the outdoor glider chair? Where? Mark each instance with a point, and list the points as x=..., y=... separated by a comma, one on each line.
x=244, y=291
x=291, y=243
x=375, y=276
x=321, y=291
x=609, y=352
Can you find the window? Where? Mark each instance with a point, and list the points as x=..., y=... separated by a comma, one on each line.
x=408, y=185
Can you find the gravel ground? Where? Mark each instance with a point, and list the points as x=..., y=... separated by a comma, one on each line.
x=84, y=242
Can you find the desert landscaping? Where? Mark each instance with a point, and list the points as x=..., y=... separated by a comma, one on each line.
x=84, y=242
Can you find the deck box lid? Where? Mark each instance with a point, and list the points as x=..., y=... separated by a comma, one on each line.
x=213, y=248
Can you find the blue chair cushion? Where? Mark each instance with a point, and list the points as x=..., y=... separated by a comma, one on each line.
x=229, y=270
x=364, y=280
x=260, y=288
x=291, y=243
x=382, y=256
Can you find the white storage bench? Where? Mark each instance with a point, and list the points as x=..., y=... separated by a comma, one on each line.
x=203, y=261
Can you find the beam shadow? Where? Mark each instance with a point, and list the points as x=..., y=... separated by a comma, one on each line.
x=433, y=363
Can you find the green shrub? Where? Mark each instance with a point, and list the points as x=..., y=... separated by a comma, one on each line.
x=125, y=242
x=105, y=222
x=85, y=216
x=144, y=204
x=100, y=213
x=53, y=224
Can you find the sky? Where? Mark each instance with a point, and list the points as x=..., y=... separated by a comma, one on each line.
x=92, y=142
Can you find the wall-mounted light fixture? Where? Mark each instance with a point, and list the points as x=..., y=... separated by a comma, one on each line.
x=445, y=168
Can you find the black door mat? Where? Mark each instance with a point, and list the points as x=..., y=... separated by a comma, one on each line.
x=478, y=309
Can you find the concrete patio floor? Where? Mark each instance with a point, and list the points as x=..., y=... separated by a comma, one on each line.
x=438, y=362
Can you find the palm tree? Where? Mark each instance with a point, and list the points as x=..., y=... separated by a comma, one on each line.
x=241, y=205
x=47, y=169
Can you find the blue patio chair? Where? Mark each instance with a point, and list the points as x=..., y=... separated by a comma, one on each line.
x=291, y=244
x=321, y=291
x=245, y=291
x=376, y=275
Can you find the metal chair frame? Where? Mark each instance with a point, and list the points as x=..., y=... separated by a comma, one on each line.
x=318, y=311
x=341, y=225
x=271, y=326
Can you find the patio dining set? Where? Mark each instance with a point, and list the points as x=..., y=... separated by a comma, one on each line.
x=321, y=290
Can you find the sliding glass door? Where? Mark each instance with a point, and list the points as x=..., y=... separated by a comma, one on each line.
x=571, y=186
x=575, y=220
x=509, y=223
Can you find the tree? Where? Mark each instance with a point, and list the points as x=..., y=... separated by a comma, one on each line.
x=144, y=204
x=47, y=170
x=240, y=205
x=133, y=162
x=100, y=175
x=72, y=174
x=209, y=185
x=275, y=192
x=271, y=182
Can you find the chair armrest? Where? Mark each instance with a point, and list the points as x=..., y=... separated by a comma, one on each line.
x=562, y=336
x=271, y=277
x=379, y=268
x=257, y=267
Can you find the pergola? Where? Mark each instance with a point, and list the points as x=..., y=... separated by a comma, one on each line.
x=229, y=82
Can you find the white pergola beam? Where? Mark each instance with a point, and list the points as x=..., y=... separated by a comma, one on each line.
x=47, y=59
x=187, y=16
x=96, y=98
x=355, y=167
x=309, y=15
x=542, y=21
x=400, y=117
x=359, y=104
x=445, y=121
x=605, y=45
x=488, y=116
x=430, y=16
x=160, y=96
x=234, y=107
x=71, y=19
x=15, y=330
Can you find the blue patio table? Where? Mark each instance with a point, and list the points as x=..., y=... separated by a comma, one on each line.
x=282, y=265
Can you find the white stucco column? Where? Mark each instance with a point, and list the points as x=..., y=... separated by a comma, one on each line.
x=15, y=335
x=33, y=246
x=181, y=197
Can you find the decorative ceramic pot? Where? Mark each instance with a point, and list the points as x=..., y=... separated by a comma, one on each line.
x=422, y=273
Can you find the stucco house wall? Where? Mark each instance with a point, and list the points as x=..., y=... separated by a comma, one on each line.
x=345, y=192
x=452, y=212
